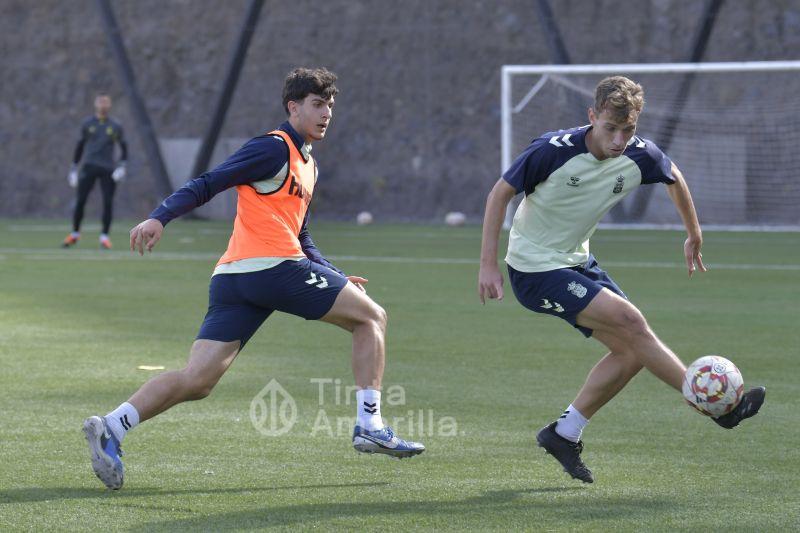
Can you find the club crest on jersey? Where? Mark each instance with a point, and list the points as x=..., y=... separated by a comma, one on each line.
x=619, y=185
x=577, y=289
x=574, y=181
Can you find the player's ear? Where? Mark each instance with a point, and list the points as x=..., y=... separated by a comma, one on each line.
x=592, y=115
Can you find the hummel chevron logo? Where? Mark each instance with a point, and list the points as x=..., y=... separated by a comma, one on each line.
x=638, y=141
x=124, y=421
x=320, y=282
x=555, y=306
x=564, y=139
x=370, y=408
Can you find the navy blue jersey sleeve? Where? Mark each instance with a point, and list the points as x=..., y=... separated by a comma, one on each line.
x=655, y=166
x=258, y=159
x=531, y=167
x=311, y=250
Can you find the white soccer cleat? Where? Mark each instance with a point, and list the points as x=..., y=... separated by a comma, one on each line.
x=384, y=441
x=105, y=452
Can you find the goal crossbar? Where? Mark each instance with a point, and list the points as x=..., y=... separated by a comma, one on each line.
x=553, y=73
x=507, y=107
x=725, y=66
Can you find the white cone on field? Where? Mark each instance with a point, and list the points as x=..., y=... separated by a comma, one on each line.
x=364, y=218
x=455, y=218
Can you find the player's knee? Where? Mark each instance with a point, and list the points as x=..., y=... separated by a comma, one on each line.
x=631, y=324
x=380, y=318
x=204, y=387
x=200, y=390
x=375, y=318
x=197, y=386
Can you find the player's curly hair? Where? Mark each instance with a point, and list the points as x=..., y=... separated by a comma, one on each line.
x=304, y=81
x=622, y=97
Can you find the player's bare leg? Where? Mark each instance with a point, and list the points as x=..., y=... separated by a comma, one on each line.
x=605, y=380
x=621, y=327
x=208, y=361
x=356, y=312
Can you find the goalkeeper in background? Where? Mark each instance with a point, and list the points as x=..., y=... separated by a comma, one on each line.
x=99, y=133
x=571, y=179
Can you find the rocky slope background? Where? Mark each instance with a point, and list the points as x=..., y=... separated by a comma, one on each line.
x=416, y=129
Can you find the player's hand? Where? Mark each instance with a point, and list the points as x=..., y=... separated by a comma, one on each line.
x=691, y=250
x=118, y=174
x=358, y=281
x=490, y=283
x=72, y=178
x=146, y=235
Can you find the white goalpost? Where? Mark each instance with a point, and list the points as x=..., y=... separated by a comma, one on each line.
x=732, y=128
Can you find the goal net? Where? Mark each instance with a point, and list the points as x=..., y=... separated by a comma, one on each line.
x=732, y=128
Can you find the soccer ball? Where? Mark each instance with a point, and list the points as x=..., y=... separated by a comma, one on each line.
x=713, y=385
x=364, y=218
x=455, y=218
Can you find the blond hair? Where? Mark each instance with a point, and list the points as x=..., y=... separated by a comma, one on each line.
x=622, y=97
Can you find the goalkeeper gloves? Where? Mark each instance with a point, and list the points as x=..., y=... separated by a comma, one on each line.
x=119, y=173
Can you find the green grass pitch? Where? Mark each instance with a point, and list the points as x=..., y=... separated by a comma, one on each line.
x=473, y=382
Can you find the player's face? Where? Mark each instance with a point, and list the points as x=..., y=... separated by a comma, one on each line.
x=609, y=136
x=102, y=106
x=311, y=116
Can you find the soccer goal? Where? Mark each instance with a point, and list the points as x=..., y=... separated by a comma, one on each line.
x=732, y=128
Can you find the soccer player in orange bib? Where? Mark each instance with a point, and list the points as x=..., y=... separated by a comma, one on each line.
x=271, y=264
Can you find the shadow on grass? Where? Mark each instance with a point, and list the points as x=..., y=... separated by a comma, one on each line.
x=520, y=504
x=40, y=494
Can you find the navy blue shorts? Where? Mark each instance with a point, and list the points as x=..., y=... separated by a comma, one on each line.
x=239, y=303
x=564, y=292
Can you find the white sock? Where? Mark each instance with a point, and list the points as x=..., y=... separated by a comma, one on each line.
x=122, y=419
x=103, y=237
x=570, y=425
x=369, y=409
x=76, y=234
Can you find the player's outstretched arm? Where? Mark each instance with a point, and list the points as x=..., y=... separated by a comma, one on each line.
x=145, y=235
x=682, y=198
x=490, y=280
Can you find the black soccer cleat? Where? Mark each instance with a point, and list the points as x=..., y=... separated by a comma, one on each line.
x=567, y=453
x=748, y=406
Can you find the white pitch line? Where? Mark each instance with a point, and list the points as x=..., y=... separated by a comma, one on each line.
x=100, y=255
x=398, y=259
x=106, y=255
